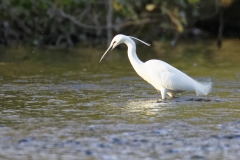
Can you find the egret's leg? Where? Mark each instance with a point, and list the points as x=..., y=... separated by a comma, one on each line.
x=173, y=94
x=163, y=93
x=170, y=95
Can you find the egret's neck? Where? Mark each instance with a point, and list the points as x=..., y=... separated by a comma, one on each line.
x=132, y=53
x=136, y=63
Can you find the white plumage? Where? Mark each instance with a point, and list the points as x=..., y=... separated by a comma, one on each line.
x=164, y=77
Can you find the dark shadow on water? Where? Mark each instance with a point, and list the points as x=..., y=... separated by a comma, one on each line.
x=189, y=99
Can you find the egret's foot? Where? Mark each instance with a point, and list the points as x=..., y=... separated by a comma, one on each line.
x=161, y=101
x=171, y=97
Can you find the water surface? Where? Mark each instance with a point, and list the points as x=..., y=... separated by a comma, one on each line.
x=78, y=109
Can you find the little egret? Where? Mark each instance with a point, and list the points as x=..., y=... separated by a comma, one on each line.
x=165, y=78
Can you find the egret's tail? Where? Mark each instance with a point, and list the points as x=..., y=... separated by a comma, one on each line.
x=203, y=88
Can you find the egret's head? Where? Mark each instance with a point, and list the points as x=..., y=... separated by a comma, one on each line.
x=119, y=39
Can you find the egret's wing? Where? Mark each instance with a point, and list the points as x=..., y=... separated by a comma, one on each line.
x=166, y=76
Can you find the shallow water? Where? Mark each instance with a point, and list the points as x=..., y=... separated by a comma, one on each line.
x=84, y=110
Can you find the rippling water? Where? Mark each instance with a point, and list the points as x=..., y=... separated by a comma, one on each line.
x=92, y=111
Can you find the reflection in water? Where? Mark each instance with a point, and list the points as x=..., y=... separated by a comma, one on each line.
x=149, y=107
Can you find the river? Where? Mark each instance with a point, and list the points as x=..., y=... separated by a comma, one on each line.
x=65, y=105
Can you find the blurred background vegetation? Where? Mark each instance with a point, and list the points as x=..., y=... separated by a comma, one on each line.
x=64, y=23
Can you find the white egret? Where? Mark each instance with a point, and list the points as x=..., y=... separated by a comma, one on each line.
x=162, y=76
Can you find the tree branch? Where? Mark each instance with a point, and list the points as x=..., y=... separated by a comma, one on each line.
x=75, y=21
x=109, y=21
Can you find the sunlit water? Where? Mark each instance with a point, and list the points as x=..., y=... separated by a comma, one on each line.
x=105, y=111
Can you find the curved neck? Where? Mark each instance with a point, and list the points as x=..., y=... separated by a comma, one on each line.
x=132, y=53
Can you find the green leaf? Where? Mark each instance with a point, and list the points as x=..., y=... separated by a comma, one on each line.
x=193, y=1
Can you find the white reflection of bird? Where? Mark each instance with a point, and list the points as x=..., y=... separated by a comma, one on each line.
x=164, y=77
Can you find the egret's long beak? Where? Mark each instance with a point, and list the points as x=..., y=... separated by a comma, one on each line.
x=109, y=49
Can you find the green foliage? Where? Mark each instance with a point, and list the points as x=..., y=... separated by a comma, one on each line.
x=193, y=1
x=65, y=22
